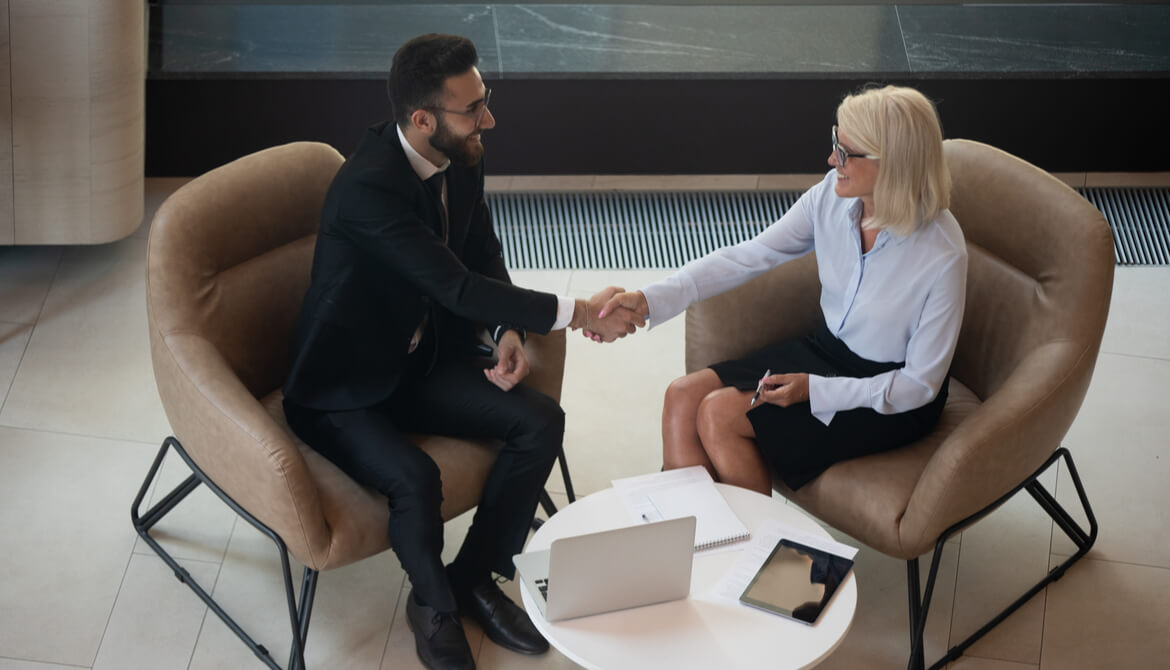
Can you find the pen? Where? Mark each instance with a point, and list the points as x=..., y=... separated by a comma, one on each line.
x=759, y=387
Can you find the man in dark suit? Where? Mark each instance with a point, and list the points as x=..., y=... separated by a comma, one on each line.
x=406, y=262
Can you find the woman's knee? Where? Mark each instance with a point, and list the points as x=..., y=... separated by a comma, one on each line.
x=717, y=413
x=684, y=394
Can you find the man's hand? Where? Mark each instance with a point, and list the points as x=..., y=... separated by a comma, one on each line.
x=512, y=366
x=786, y=389
x=628, y=308
x=615, y=323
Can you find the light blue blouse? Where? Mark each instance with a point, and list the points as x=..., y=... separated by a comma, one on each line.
x=900, y=301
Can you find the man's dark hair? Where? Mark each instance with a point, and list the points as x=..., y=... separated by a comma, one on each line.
x=421, y=66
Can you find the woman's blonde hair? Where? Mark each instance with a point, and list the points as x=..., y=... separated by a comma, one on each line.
x=901, y=126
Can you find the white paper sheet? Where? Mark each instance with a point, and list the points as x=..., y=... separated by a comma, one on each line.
x=634, y=492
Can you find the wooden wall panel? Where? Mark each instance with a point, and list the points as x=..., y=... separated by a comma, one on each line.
x=72, y=93
x=7, y=216
x=50, y=120
x=117, y=84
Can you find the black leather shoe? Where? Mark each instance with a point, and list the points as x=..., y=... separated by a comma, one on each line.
x=501, y=619
x=438, y=638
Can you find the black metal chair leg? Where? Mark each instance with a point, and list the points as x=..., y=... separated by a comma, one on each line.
x=1082, y=539
x=546, y=501
x=915, y=592
x=918, y=620
x=144, y=521
x=565, y=476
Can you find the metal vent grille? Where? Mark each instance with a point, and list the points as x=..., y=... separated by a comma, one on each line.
x=612, y=230
x=664, y=230
x=1140, y=219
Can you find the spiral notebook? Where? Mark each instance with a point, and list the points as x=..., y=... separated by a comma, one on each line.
x=716, y=523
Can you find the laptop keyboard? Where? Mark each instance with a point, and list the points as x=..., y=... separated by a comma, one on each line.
x=542, y=584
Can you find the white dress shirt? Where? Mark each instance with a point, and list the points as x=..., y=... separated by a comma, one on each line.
x=902, y=301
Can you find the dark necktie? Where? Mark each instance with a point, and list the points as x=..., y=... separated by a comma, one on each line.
x=435, y=186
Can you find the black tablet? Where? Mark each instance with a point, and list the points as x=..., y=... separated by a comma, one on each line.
x=797, y=581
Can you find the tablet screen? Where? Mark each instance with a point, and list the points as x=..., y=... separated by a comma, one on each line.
x=797, y=581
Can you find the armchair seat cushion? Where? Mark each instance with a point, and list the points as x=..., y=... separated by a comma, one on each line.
x=867, y=497
x=358, y=515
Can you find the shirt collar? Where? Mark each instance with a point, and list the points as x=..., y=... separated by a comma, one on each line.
x=422, y=167
x=855, y=211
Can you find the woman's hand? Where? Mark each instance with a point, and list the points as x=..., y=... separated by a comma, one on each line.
x=786, y=389
x=626, y=308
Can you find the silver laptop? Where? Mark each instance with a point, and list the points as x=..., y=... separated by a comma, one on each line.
x=612, y=570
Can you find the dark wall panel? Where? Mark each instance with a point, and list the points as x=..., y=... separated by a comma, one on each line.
x=666, y=126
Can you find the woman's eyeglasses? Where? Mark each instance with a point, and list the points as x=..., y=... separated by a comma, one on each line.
x=843, y=155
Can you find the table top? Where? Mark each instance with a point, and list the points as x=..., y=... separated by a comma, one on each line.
x=700, y=631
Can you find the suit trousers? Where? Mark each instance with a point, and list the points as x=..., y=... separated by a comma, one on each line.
x=452, y=398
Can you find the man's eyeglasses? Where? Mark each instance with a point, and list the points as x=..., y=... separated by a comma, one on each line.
x=475, y=113
x=843, y=155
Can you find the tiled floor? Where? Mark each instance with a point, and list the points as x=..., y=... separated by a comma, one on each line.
x=80, y=421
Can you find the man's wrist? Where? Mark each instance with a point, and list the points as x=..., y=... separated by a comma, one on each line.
x=580, y=314
x=499, y=331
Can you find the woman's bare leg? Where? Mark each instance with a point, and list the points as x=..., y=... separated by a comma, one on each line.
x=729, y=441
x=680, y=436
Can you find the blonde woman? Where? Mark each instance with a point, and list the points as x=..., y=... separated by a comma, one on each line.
x=893, y=268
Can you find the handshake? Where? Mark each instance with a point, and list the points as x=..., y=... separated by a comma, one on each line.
x=611, y=313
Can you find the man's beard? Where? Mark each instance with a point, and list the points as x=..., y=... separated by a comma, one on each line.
x=460, y=150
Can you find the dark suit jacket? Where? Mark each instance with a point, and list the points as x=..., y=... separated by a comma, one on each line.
x=380, y=264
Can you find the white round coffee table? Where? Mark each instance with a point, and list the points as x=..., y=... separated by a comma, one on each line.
x=701, y=631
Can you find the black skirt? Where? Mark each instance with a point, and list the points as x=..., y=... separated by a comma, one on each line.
x=794, y=443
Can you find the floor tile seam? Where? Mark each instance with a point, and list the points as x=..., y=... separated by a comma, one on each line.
x=1146, y=357
x=954, y=596
x=390, y=628
x=32, y=332
x=36, y=661
x=52, y=283
x=20, y=361
x=1132, y=564
x=1060, y=466
x=6, y=322
x=1044, y=606
x=1000, y=659
x=104, y=438
x=149, y=553
x=114, y=606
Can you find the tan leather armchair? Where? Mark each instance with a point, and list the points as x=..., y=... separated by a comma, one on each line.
x=227, y=267
x=1038, y=286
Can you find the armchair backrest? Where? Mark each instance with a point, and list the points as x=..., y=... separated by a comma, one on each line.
x=1040, y=266
x=1039, y=281
x=228, y=264
x=230, y=253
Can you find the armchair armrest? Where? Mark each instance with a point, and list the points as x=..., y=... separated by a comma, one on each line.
x=1001, y=443
x=546, y=357
x=779, y=304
